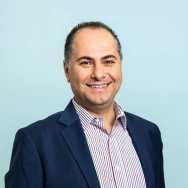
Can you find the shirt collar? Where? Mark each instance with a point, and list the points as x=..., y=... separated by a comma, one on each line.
x=87, y=118
x=120, y=115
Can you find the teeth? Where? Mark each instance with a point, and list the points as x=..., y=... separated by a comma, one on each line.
x=99, y=86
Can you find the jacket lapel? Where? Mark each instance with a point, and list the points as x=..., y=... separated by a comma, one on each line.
x=74, y=136
x=139, y=139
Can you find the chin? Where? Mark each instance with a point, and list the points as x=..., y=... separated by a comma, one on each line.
x=100, y=101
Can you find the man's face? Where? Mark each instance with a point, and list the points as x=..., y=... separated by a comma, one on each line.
x=94, y=69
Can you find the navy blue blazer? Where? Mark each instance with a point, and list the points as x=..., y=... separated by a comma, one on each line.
x=53, y=153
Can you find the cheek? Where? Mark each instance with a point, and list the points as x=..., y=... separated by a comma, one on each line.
x=116, y=74
x=78, y=78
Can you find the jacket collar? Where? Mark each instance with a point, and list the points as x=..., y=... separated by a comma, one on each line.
x=140, y=141
x=73, y=134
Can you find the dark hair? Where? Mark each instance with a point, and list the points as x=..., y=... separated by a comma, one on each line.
x=70, y=37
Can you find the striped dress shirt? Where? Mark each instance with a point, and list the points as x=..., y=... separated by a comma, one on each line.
x=116, y=162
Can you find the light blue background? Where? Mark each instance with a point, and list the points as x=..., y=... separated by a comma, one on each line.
x=154, y=36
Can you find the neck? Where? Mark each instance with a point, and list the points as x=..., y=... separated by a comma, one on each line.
x=107, y=112
x=108, y=116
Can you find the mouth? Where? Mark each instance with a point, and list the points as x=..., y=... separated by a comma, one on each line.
x=99, y=86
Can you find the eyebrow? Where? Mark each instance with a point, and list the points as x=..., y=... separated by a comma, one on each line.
x=84, y=57
x=103, y=58
x=109, y=56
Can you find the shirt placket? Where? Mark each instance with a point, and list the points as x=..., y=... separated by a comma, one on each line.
x=117, y=163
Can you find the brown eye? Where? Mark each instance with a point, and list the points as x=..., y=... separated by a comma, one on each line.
x=85, y=63
x=109, y=62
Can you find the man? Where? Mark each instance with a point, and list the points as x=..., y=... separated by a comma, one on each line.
x=92, y=143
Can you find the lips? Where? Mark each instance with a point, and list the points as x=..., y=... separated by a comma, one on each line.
x=99, y=86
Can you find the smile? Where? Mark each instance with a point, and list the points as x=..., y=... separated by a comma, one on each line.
x=98, y=86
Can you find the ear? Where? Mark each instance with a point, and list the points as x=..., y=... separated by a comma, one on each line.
x=67, y=70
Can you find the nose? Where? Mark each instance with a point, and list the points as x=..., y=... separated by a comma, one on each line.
x=98, y=72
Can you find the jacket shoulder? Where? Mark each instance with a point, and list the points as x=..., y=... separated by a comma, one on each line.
x=141, y=122
x=42, y=127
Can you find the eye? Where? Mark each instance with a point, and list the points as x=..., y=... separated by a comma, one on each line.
x=85, y=63
x=109, y=62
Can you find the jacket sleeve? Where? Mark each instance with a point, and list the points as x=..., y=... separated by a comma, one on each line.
x=25, y=167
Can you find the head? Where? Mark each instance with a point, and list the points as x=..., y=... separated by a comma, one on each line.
x=93, y=64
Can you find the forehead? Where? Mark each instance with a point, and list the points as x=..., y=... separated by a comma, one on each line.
x=94, y=37
x=96, y=32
